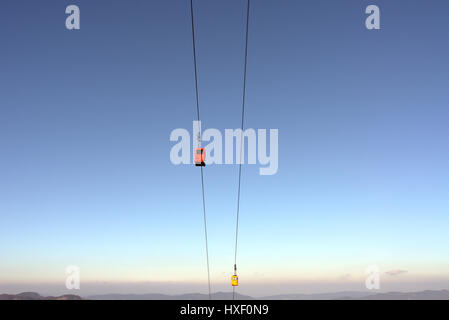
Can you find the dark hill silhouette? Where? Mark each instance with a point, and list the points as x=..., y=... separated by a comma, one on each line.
x=36, y=296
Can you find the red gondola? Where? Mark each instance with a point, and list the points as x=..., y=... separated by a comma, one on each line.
x=199, y=157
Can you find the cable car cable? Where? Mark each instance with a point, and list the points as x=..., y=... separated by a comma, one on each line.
x=241, y=145
x=194, y=62
x=205, y=232
x=199, y=140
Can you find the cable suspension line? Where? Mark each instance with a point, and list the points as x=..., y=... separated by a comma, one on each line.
x=241, y=150
x=199, y=142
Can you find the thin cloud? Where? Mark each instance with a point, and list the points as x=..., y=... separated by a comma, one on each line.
x=396, y=272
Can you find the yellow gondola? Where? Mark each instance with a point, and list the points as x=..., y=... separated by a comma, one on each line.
x=234, y=280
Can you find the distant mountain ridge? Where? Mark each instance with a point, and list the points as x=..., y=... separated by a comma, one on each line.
x=346, y=295
x=320, y=296
x=421, y=295
x=158, y=296
x=36, y=296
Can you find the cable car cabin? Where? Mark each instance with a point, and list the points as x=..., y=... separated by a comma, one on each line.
x=199, y=157
x=234, y=280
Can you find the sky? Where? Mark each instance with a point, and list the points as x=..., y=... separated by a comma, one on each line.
x=86, y=116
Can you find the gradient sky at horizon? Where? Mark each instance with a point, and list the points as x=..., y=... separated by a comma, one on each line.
x=85, y=120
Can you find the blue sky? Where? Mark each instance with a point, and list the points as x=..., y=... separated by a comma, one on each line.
x=85, y=120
